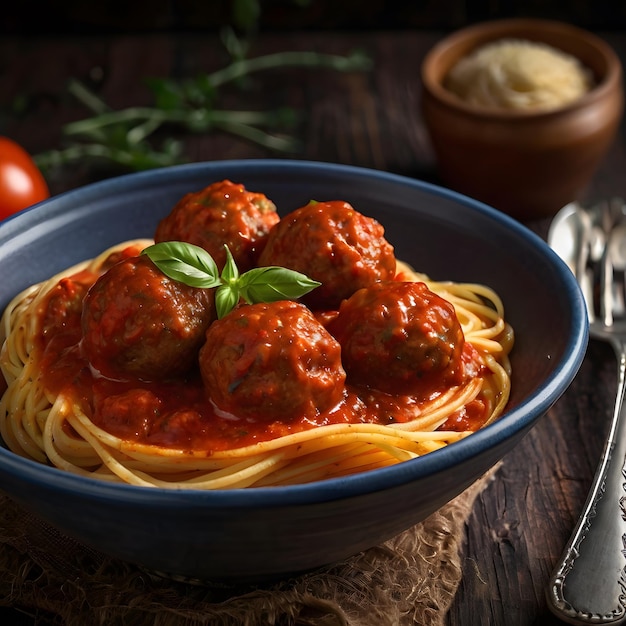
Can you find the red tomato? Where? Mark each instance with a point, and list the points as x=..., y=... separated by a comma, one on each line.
x=21, y=182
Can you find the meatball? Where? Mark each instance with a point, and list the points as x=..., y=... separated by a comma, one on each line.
x=64, y=303
x=139, y=324
x=332, y=243
x=399, y=337
x=271, y=362
x=222, y=213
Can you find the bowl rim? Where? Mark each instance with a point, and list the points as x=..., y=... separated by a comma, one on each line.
x=492, y=30
x=520, y=418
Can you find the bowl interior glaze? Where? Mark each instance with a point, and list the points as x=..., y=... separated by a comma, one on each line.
x=258, y=534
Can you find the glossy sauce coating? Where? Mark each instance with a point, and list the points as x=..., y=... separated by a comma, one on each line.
x=334, y=244
x=263, y=370
x=272, y=361
x=222, y=213
x=178, y=413
x=399, y=337
x=138, y=323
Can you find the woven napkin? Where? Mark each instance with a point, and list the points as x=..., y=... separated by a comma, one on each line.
x=408, y=580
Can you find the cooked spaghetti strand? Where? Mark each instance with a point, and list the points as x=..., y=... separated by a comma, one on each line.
x=56, y=429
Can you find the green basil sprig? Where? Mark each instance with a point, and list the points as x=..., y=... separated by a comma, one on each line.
x=194, y=266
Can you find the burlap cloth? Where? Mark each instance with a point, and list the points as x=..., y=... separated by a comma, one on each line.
x=409, y=580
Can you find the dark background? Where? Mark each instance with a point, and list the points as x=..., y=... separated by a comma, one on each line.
x=521, y=522
x=68, y=17
x=45, y=43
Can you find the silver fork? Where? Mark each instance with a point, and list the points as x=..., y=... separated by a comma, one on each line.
x=588, y=584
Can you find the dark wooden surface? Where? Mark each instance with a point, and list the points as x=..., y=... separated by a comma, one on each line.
x=522, y=520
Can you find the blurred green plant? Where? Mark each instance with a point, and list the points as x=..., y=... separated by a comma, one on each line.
x=246, y=14
x=129, y=137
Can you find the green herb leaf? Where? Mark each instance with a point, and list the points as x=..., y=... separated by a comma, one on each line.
x=130, y=137
x=227, y=294
x=230, y=272
x=186, y=263
x=194, y=266
x=226, y=299
x=268, y=284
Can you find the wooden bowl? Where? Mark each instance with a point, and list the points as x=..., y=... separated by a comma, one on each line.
x=527, y=164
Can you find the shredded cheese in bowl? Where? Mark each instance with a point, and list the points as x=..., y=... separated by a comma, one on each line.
x=519, y=74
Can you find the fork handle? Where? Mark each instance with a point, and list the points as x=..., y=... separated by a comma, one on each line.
x=588, y=584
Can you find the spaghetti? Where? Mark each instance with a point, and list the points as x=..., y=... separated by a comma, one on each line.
x=52, y=425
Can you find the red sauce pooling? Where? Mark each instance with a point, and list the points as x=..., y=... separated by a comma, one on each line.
x=177, y=413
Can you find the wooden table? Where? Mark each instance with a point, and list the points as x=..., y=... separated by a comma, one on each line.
x=522, y=520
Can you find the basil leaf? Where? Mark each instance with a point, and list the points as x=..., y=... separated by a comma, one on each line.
x=226, y=299
x=269, y=284
x=194, y=266
x=185, y=262
x=230, y=272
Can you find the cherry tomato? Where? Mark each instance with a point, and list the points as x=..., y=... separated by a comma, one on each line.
x=21, y=182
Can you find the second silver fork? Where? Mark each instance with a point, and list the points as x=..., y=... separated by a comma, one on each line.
x=588, y=584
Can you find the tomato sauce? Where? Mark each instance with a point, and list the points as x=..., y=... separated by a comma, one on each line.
x=177, y=414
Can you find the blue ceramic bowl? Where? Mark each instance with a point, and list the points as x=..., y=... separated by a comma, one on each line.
x=258, y=534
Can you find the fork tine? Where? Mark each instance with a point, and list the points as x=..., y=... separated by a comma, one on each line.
x=610, y=211
x=613, y=261
x=617, y=210
x=582, y=267
x=586, y=283
x=606, y=288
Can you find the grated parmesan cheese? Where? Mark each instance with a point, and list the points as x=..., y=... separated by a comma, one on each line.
x=519, y=74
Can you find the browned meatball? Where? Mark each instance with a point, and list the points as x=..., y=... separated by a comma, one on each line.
x=272, y=362
x=65, y=300
x=399, y=337
x=333, y=244
x=139, y=324
x=222, y=213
